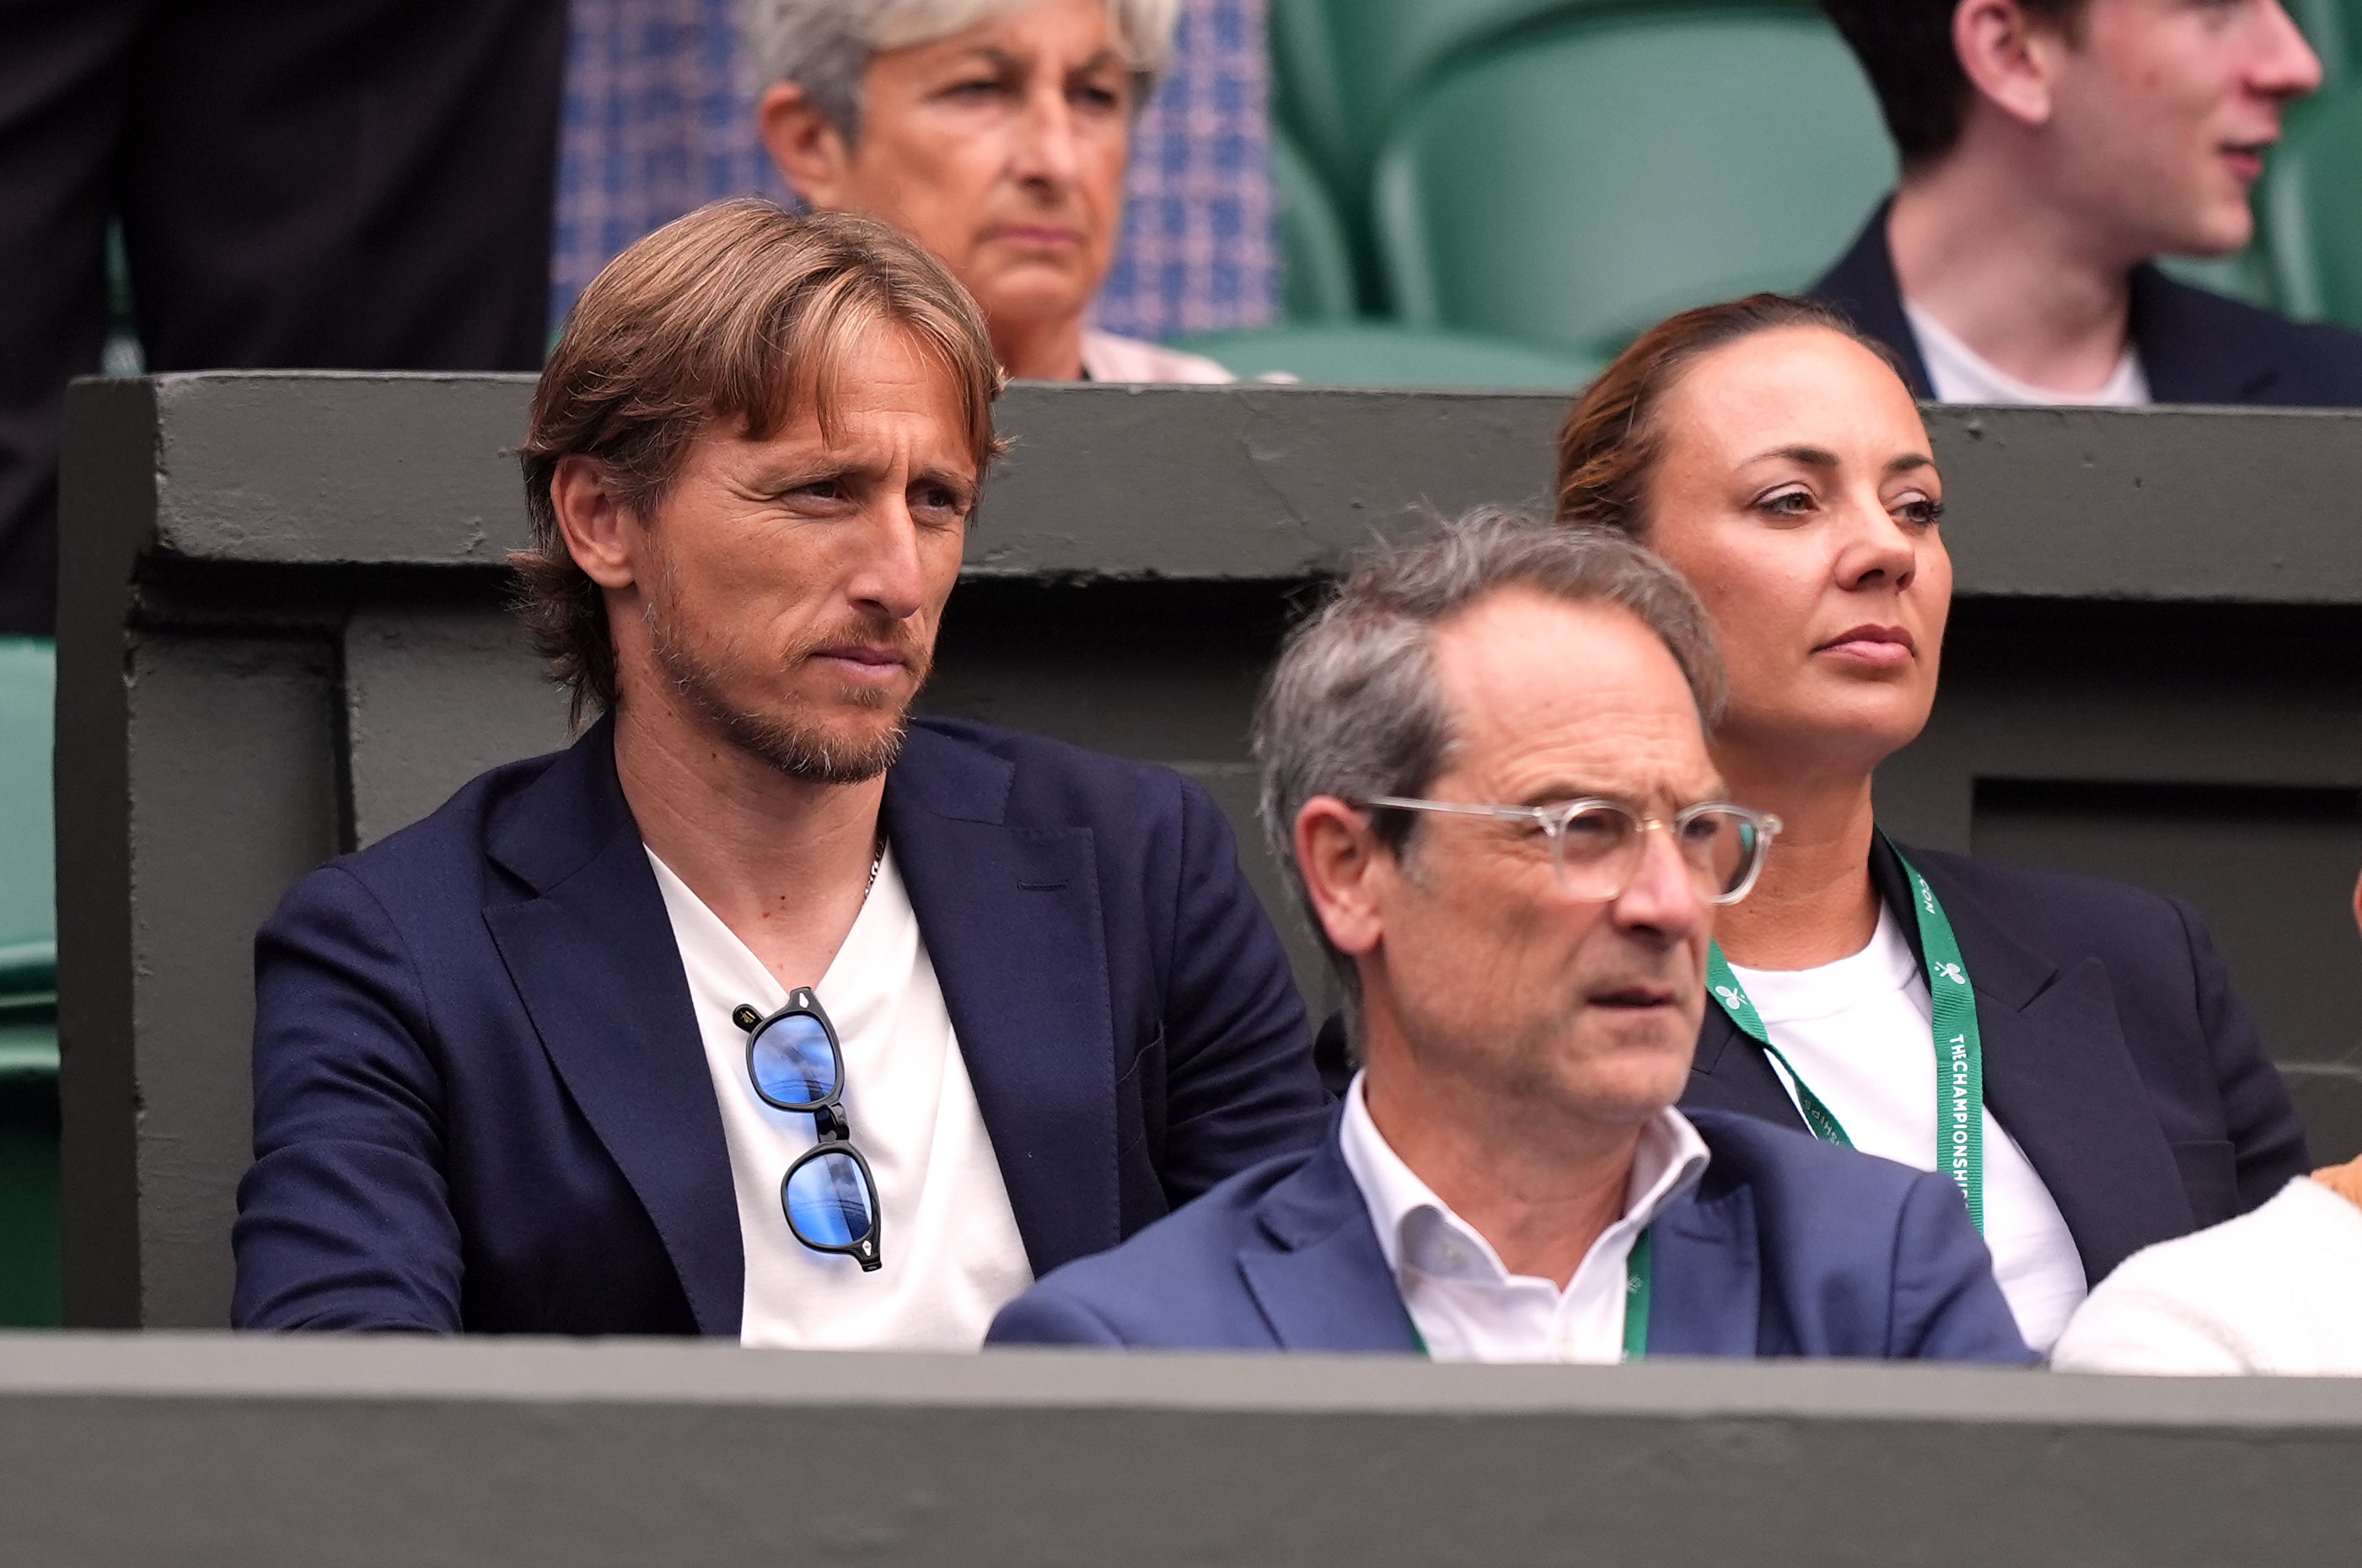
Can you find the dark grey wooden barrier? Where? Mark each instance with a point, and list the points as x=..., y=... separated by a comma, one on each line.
x=175, y=1448
x=282, y=636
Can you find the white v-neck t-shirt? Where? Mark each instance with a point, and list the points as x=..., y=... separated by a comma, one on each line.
x=1958, y=373
x=1860, y=1032
x=951, y=1255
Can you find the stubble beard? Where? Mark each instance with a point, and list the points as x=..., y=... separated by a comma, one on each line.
x=807, y=753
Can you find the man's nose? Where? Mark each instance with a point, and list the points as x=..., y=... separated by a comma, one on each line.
x=2288, y=67
x=890, y=578
x=1663, y=896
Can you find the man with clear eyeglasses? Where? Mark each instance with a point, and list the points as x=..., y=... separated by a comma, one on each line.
x=1485, y=762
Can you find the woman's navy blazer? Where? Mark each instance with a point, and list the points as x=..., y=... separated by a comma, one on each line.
x=481, y=1100
x=2116, y=1052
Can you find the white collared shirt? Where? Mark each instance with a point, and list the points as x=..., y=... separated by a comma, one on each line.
x=1465, y=1305
x=951, y=1255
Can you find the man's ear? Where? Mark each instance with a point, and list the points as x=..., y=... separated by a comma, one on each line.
x=2011, y=60
x=808, y=147
x=1342, y=860
x=600, y=531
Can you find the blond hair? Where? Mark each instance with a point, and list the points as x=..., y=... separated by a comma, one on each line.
x=740, y=312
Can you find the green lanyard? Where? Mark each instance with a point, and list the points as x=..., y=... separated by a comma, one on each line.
x=1639, y=1267
x=1959, y=1055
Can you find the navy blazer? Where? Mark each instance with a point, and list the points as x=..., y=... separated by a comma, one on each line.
x=2195, y=346
x=1785, y=1247
x=2116, y=1052
x=481, y=1100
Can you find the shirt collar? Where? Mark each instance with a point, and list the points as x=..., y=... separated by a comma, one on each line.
x=1417, y=1229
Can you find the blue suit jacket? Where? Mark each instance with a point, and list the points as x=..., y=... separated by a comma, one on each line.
x=1786, y=1247
x=481, y=1100
x=2195, y=346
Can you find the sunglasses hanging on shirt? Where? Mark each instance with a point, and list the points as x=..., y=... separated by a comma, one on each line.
x=829, y=1196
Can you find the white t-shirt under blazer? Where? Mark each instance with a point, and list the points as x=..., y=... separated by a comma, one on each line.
x=1860, y=1032
x=950, y=1253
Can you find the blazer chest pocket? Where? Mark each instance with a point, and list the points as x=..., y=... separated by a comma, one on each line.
x=2210, y=1174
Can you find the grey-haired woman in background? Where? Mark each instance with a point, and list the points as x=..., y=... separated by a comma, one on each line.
x=994, y=132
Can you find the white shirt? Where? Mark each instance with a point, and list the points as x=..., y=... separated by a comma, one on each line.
x=1466, y=1306
x=1958, y=373
x=2279, y=1290
x=1107, y=358
x=1859, y=1031
x=950, y=1253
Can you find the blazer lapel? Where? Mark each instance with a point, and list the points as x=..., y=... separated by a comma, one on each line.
x=593, y=957
x=1011, y=920
x=1706, y=1287
x=1864, y=289
x=1327, y=1287
x=1730, y=1072
x=2193, y=361
x=2058, y=1077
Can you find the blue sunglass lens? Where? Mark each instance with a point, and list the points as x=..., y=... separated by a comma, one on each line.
x=829, y=1202
x=792, y=1062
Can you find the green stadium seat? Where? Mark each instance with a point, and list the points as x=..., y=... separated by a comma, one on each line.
x=28, y=1044
x=2310, y=213
x=29, y=925
x=1342, y=70
x=1316, y=261
x=1382, y=354
x=1580, y=184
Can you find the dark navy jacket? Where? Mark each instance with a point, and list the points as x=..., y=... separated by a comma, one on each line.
x=1785, y=1247
x=481, y=1100
x=2116, y=1053
x=2195, y=346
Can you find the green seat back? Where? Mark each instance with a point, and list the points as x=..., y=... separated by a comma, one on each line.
x=1316, y=263
x=29, y=1046
x=28, y=924
x=2310, y=206
x=1342, y=70
x=1581, y=184
x=1382, y=354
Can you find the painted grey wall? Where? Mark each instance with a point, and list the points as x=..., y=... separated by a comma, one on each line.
x=294, y=1452
x=281, y=634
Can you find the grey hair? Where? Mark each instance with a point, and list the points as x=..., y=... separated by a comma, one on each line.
x=823, y=46
x=1352, y=709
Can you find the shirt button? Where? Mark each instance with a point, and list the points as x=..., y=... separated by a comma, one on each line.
x=1454, y=1256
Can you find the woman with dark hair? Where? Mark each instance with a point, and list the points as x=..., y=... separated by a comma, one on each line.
x=2069, y=1051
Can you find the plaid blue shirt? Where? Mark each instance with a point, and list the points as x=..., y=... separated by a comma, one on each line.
x=659, y=118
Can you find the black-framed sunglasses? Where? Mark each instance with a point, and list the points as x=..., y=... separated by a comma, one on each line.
x=828, y=1194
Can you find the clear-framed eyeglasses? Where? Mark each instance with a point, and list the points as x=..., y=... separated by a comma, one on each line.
x=1597, y=846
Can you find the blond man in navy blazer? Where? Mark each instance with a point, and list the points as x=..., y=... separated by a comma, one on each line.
x=764, y=1012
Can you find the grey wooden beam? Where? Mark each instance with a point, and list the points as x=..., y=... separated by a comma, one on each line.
x=270, y=1452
